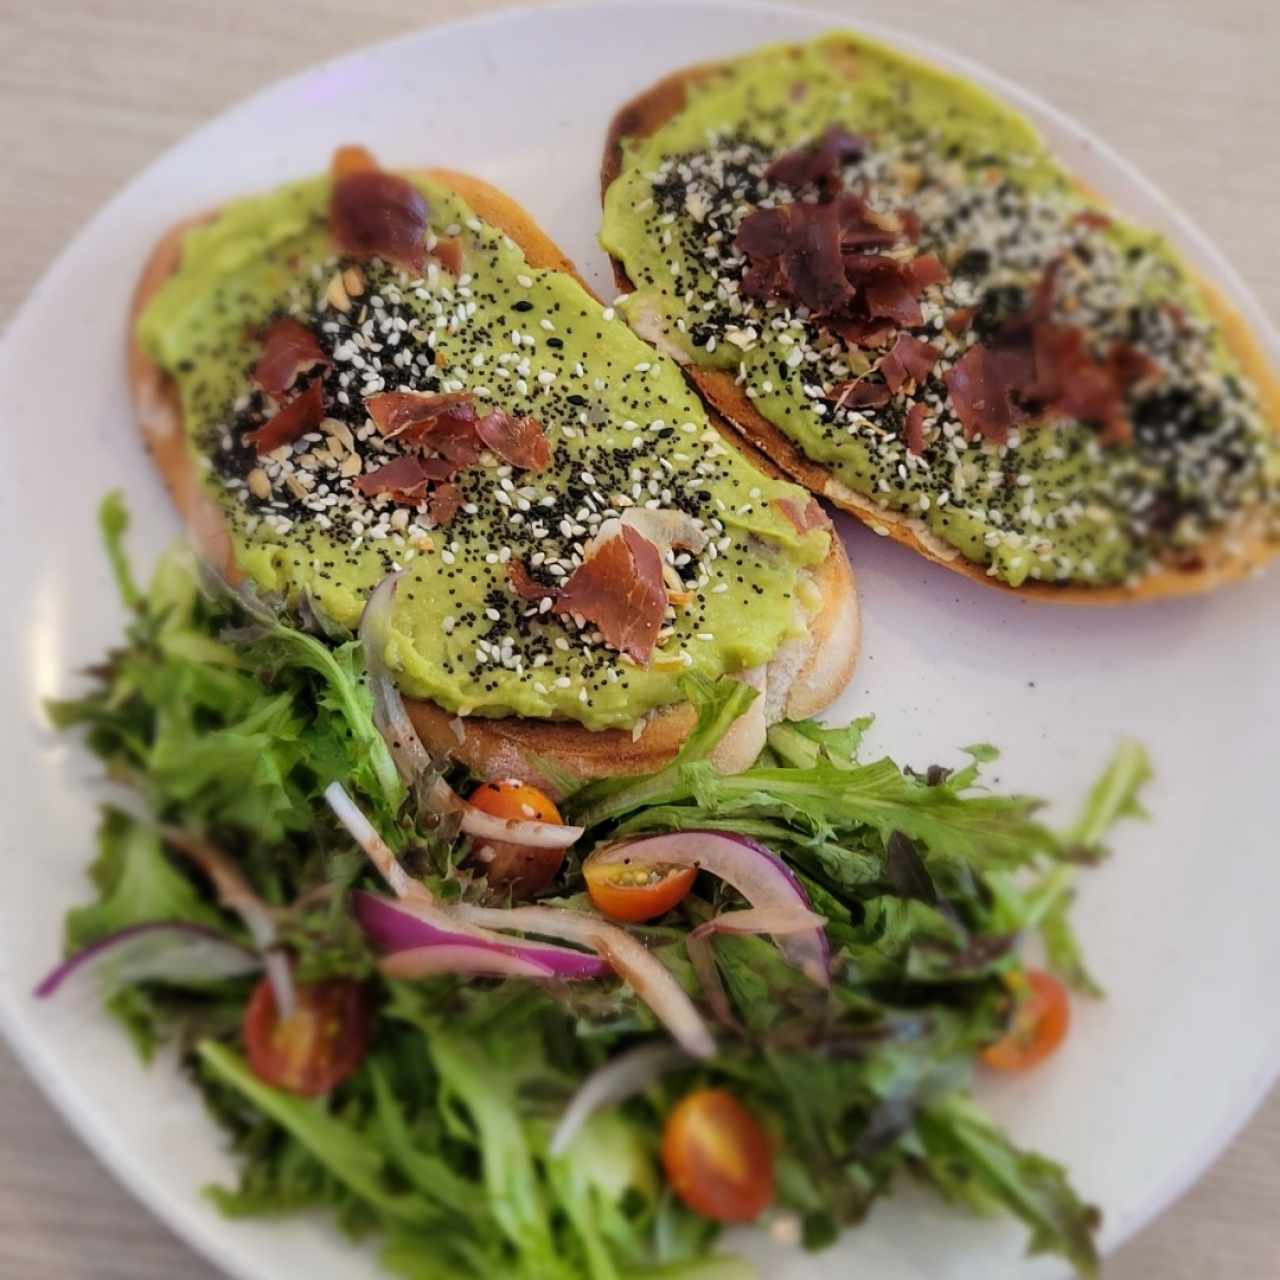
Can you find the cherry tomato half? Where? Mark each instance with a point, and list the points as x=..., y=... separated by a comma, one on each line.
x=623, y=892
x=717, y=1157
x=521, y=868
x=516, y=801
x=318, y=1046
x=1040, y=1020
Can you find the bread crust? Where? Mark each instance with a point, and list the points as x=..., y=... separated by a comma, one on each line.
x=1220, y=561
x=538, y=751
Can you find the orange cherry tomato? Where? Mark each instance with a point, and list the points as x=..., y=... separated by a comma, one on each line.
x=522, y=869
x=516, y=801
x=623, y=892
x=717, y=1157
x=318, y=1046
x=1039, y=1024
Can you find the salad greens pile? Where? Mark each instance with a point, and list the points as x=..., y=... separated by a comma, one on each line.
x=226, y=722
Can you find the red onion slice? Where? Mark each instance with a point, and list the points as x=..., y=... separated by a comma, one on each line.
x=647, y=976
x=418, y=926
x=235, y=892
x=780, y=922
x=460, y=958
x=615, y=1081
x=160, y=951
x=754, y=871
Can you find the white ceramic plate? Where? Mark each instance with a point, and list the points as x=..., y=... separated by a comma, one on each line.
x=1180, y=924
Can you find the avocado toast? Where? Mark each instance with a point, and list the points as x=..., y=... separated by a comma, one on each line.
x=546, y=487
x=881, y=277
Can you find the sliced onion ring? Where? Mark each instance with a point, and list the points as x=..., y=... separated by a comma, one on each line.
x=390, y=718
x=414, y=925
x=485, y=826
x=754, y=871
x=235, y=892
x=162, y=950
x=615, y=1081
x=460, y=958
x=778, y=921
x=377, y=850
x=647, y=976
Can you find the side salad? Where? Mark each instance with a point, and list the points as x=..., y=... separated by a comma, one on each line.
x=760, y=997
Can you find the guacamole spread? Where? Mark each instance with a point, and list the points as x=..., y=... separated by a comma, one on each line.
x=1009, y=251
x=624, y=431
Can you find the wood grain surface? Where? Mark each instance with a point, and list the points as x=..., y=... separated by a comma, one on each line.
x=92, y=90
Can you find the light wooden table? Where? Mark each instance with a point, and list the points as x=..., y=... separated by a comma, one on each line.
x=91, y=90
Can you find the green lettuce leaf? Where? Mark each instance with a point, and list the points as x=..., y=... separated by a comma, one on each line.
x=136, y=883
x=801, y=743
x=989, y=830
x=1113, y=796
x=968, y=1156
x=342, y=1148
x=719, y=704
x=1062, y=948
x=113, y=522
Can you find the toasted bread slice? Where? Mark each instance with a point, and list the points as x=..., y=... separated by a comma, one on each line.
x=802, y=679
x=1223, y=560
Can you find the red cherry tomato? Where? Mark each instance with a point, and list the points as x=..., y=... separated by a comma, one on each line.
x=1039, y=1024
x=717, y=1157
x=318, y=1046
x=623, y=892
x=521, y=868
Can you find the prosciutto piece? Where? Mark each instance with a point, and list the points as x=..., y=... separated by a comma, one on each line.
x=817, y=256
x=817, y=160
x=913, y=428
x=520, y=441
x=1035, y=367
x=804, y=517
x=410, y=417
x=375, y=214
x=618, y=588
x=289, y=349
x=405, y=478
x=302, y=414
x=909, y=360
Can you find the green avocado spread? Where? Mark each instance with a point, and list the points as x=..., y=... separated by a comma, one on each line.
x=1056, y=499
x=624, y=430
